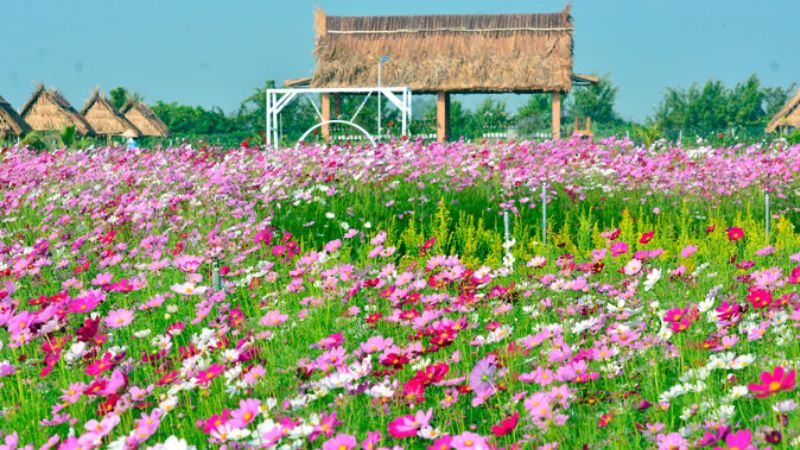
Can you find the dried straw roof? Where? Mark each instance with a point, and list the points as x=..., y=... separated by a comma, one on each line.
x=789, y=115
x=104, y=118
x=10, y=121
x=49, y=111
x=454, y=53
x=144, y=119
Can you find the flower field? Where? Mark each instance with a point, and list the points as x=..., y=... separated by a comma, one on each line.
x=401, y=297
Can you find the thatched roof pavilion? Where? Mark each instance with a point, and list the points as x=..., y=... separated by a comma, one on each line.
x=10, y=122
x=787, y=117
x=446, y=54
x=104, y=118
x=50, y=111
x=144, y=119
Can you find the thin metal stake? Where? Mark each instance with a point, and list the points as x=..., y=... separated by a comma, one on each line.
x=505, y=225
x=215, y=277
x=544, y=212
x=766, y=213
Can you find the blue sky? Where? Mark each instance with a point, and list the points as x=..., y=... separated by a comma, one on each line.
x=213, y=53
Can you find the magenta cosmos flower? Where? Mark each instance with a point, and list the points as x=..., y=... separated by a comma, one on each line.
x=739, y=440
x=772, y=383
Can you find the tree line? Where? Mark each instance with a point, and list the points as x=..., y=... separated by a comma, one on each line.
x=711, y=110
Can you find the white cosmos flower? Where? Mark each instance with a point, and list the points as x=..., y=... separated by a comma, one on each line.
x=188, y=289
x=652, y=279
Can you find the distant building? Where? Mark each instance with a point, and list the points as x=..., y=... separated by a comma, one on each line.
x=788, y=118
x=11, y=123
x=105, y=119
x=449, y=54
x=144, y=119
x=49, y=111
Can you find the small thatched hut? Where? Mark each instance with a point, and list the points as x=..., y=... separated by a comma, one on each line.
x=445, y=54
x=788, y=117
x=104, y=118
x=11, y=124
x=49, y=111
x=144, y=119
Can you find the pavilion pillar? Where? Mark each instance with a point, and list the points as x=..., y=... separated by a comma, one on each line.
x=556, y=115
x=337, y=106
x=442, y=116
x=325, y=106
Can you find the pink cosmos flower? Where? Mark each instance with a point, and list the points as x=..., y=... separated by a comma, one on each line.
x=340, y=442
x=407, y=426
x=118, y=318
x=333, y=246
x=772, y=383
x=481, y=379
x=273, y=318
x=205, y=376
x=688, y=251
x=469, y=441
x=618, y=248
x=247, y=412
x=372, y=440
x=671, y=441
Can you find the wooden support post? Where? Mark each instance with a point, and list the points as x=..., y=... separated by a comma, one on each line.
x=443, y=116
x=337, y=106
x=556, y=115
x=325, y=105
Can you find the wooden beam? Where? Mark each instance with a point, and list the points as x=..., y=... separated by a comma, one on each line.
x=325, y=105
x=556, y=115
x=442, y=116
x=337, y=106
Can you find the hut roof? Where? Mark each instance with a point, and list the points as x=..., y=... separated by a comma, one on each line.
x=10, y=121
x=144, y=119
x=48, y=110
x=454, y=53
x=104, y=118
x=788, y=115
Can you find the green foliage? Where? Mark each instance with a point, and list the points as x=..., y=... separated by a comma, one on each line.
x=33, y=140
x=714, y=108
x=68, y=136
x=596, y=101
x=534, y=115
x=118, y=97
x=182, y=119
x=794, y=137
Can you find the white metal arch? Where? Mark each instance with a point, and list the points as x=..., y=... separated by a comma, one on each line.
x=344, y=122
x=278, y=98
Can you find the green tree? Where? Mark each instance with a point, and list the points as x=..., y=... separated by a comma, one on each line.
x=535, y=115
x=595, y=101
x=490, y=116
x=119, y=95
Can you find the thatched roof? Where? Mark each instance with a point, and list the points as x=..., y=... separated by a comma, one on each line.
x=461, y=53
x=789, y=115
x=144, y=119
x=49, y=111
x=104, y=118
x=10, y=121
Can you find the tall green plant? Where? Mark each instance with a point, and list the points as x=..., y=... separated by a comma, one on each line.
x=68, y=136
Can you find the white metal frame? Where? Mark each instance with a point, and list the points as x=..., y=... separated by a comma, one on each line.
x=278, y=98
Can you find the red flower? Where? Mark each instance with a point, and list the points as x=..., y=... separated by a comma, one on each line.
x=774, y=382
x=735, y=233
x=759, y=298
x=646, y=237
x=506, y=425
